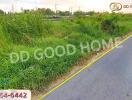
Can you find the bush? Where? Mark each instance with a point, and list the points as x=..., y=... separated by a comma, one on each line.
x=22, y=27
x=2, y=12
x=18, y=30
x=110, y=25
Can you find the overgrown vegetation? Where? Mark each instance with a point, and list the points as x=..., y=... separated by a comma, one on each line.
x=29, y=31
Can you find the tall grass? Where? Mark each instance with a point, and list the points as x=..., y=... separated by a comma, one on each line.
x=29, y=31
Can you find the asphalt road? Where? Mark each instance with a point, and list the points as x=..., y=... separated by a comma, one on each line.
x=110, y=78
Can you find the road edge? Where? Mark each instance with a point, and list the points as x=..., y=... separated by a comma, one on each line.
x=83, y=68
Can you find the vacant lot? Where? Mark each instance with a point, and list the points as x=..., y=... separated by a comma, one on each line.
x=31, y=31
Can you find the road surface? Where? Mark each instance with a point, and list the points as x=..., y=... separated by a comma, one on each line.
x=110, y=78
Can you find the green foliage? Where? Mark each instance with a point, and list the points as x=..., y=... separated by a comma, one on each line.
x=110, y=25
x=30, y=31
x=2, y=12
x=22, y=27
x=79, y=13
x=46, y=11
x=65, y=13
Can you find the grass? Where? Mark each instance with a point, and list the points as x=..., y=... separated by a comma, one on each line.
x=28, y=32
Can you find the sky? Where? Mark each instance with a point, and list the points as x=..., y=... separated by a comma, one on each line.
x=84, y=5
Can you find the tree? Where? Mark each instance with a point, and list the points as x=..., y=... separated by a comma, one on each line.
x=46, y=11
x=79, y=13
x=90, y=13
x=26, y=11
x=1, y=11
x=49, y=12
x=64, y=13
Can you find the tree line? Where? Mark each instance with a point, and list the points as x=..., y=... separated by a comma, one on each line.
x=49, y=12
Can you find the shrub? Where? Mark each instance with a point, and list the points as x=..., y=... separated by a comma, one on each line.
x=2, y=12
x=110, y=25
x=22, y=27
x=42, y=33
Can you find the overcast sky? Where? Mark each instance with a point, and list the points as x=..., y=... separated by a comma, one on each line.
x=85, y=5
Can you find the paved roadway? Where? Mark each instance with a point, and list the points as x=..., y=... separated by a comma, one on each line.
x=108, y=79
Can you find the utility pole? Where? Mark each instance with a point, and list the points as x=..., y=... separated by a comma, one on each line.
x=12, y=7
x=22, y=9
x=79, y=8
x=70, y=10
x=55, y=9
x=36, y=4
